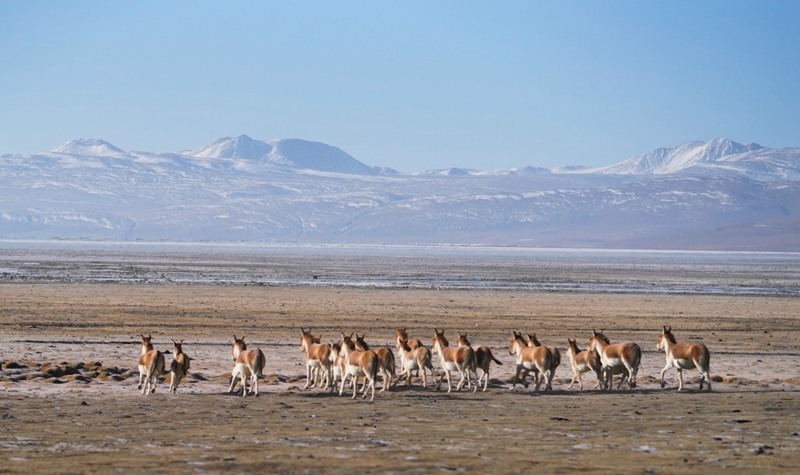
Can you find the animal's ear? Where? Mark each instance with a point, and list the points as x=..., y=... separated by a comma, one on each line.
x=302, y=331
x=149, y=336
x=343, y=337
x=181, y=341
x=670, y=329
x=594, y=333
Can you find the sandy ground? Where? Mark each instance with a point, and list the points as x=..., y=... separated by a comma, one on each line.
x=95, y=421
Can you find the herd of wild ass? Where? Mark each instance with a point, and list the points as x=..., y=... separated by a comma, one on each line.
x=329, y=365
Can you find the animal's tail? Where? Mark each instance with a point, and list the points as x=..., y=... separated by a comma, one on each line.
x=556, y=357
x=259, y=363
x=373, y=367
x=155, y=364
x=392, y=363
x=489, y=350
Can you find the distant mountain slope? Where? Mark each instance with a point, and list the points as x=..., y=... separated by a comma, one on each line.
x=712, y=195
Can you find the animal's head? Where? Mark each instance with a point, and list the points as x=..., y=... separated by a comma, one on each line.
x=531, y=340
x=572, y=346
x=517, y=342
x=666, y=336
x=306, y=339
x=177, y=347
x=347, y=341
x=598, y=340
x=238, y=346
x=462, y=340
x=401, y=333
x=403, y=343
x=360, y=343
x=147, y=343
x=439, y=340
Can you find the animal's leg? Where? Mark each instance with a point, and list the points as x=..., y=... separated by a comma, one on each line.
x=680, y=379
x=663, y=371
x=234, y=374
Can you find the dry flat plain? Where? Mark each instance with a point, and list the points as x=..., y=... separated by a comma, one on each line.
x=69, y=404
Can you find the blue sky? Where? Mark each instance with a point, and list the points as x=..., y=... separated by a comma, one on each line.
x=408, y=85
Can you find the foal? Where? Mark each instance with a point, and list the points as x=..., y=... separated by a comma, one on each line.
x=484, y=358
x=536, y=359
x=386, y=358
x=583, y=362
x=682, y=356
x=180, y=366
x=248, y=364
x=458, y=358
x=625, y=357
x=151, y=366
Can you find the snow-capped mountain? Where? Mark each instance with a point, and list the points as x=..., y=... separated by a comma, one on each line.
x=90, y=147
x=718, y=155
x=289, y=152
x=718, y=195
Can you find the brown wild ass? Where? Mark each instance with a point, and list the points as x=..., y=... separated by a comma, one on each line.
x=386, y=359
x=180, y=366
x=555, y=354
x=317, y=359
x=151, y=366
x=531, y=359
x=583, y=362
x=248, y=364
x=357, y=364
x=683, y=356
x=625, y=357
x=416, y=359
x=484, y=358
x=458, y=358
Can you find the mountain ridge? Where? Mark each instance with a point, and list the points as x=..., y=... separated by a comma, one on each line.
x=291, y=190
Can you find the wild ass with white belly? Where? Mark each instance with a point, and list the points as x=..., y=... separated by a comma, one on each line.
x=458, y=358
x=248, y=364
x=555, y=353
x=180, y=366
x=583, y=362
x=620, y=357
x=318, y=359
x=484, y=358
x=531, y=359
x=684, y=356
x=357, y=364
x=386, y=359
x=151, y=366
x=418, y=359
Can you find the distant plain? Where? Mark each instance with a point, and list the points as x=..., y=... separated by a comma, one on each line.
x=82, y=307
